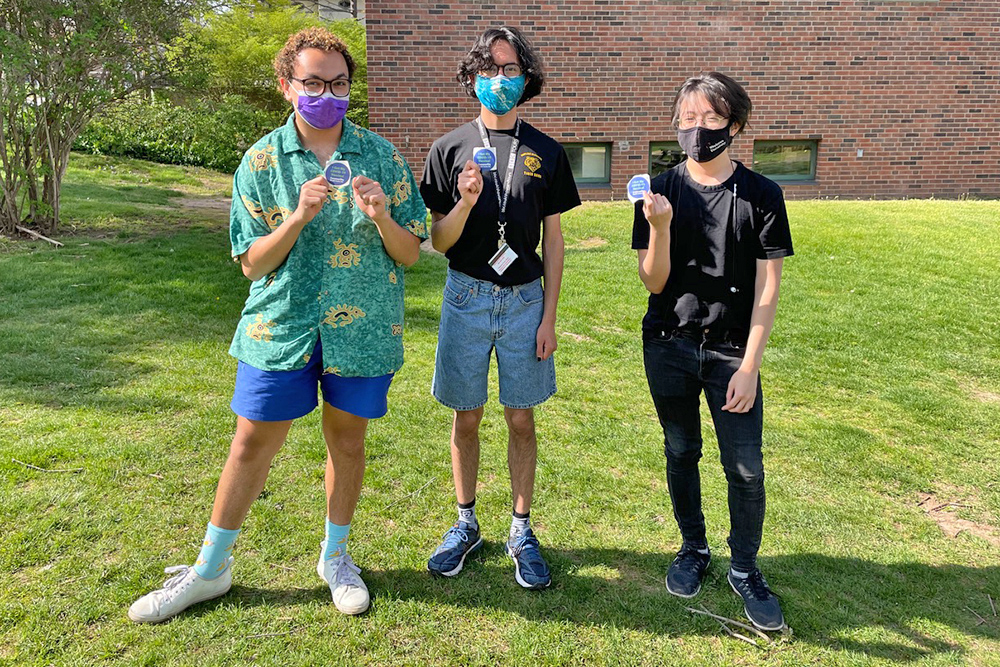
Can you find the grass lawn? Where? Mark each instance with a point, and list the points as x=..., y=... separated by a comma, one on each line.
x=882, y=384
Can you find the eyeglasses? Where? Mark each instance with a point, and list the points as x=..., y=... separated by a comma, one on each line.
x=314, y=86
x=711, y=120
x=510, y=70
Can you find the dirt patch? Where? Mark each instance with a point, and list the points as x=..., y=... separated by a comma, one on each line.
x=942, y=510
x=579, y=338
x=205, y=203
x=590, y=242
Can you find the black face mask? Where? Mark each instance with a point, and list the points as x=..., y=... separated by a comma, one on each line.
x=702, y=144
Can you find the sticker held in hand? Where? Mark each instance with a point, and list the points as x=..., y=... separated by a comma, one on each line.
x=485, y=157
x=637, y=187
x=338, y=173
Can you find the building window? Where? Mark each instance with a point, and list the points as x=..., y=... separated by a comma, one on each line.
x=785, y=160
x=664, y=155
x=591, y=163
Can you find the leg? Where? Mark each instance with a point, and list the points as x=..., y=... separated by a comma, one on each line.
x=522, y=454
x=465, y=453
x=243, y=476
x=345, y=462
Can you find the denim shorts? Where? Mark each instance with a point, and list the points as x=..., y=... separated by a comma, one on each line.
x=478, y=317
x=273, y=396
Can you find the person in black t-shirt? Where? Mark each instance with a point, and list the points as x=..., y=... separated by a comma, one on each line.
x=495, y=188
x=711, y=237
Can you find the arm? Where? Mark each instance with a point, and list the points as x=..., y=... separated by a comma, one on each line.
x=268, y=252
x=553, y=252
x=654, y=261
x=399, y=243
x=446, y=229
x=742, y=390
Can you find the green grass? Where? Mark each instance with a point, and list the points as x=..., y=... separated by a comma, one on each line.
x=882, y=382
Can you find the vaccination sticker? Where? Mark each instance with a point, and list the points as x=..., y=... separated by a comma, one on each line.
x=338, y=173
x=485, y=157
x=637, y=187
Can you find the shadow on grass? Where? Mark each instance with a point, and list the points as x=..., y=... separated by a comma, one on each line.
x=831, y=602
x=73, y=320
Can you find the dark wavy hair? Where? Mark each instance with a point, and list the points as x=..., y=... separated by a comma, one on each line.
x=727, y=97
x=479, y=57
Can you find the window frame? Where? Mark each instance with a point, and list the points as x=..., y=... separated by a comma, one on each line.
x=813, y=145
x=607, y=145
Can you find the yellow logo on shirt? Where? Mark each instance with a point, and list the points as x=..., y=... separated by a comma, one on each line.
x=532, y=162
x=260, y=330
x=342, y=315
x=347, y=255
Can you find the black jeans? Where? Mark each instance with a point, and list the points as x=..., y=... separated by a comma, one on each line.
x=679, y=367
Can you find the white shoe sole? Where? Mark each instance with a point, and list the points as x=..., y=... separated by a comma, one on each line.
x=160, y=619
x=461, y=563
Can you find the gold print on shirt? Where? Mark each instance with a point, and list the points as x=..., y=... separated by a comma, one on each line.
x=401, y=192
x=392, y=277
x=417, y=227
x=347, y=255
x=255, y=209
x=331, y=370
x=263, y=159
x=397, y=158
x=260, y=330
x=341, y=196
x=342, y=315
x=532, y=162
x=275, y=215
x=397, y=329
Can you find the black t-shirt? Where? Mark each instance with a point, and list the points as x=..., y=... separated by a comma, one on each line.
x=706, y=261
x=542, y=185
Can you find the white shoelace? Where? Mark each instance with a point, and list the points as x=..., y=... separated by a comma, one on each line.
x=346, y=572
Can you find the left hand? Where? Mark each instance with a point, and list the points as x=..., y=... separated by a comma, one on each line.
x=545, y=341
x=369, y=197
x=742, y=391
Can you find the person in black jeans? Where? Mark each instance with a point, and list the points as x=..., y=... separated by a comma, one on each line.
x=711, y=236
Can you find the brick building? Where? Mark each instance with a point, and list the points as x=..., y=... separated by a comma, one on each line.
x=853, y=98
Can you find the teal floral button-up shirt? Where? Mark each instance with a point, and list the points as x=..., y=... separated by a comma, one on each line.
x=338, y=284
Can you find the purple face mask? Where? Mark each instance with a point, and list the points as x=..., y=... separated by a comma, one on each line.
x=322, y=112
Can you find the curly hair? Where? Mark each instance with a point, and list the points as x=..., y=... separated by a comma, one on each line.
x=479, y=58
x=726, y=97
x=310, y=38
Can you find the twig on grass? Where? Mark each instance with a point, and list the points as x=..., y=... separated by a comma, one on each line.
x=942, y=506
x=992, y=606
x=981, y=619
x=752, y=629
x=409, y=495
x=28, y=465
x=283, y=567
x=155, y=475
x=274, y=634
x=732, y=633
x=35, y=235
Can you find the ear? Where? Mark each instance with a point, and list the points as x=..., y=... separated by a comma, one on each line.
x=734, y=129
x=287, y=91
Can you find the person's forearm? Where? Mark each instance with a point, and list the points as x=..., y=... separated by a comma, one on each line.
x=655, y=267
x=553, y=254
x=268, y=252
x=446, y=230
x=765, y=307
x=399, y=243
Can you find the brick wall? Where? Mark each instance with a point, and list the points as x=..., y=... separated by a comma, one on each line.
x=912, y=83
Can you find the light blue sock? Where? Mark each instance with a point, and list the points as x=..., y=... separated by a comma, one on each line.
x=336, y=539
x=215, y=551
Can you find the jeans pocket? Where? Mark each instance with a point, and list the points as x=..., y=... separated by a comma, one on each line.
x=457, y=294
x=530, y=293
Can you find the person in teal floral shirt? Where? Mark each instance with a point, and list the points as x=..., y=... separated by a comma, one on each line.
x=325, y=217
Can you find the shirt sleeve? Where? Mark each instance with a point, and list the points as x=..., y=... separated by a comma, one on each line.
x=437, y=187
x=640, y=228
x=562, y=194
x=407, y=206
x=246, y=216
x=774, y=233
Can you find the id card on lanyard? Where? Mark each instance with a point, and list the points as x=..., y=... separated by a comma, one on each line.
x=504, y=256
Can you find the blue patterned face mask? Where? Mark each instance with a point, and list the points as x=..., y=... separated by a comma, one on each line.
x=499, y=94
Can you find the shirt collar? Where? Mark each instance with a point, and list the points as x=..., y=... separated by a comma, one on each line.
x=349, y=141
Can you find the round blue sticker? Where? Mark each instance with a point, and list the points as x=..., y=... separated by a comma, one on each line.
x=485, y=157
x=338, y=173
x=637, y=187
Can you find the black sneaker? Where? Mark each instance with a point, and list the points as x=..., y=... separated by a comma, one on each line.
x=686, y=572
x=760, y=604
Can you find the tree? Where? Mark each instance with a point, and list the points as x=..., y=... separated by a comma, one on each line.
x=61, y=62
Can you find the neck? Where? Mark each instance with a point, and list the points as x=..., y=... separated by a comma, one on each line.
x=713, y=172
x=495, y=122
x=319, y=141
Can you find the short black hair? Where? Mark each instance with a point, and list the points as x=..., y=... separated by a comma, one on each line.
x=479, y=58
x=727, y=97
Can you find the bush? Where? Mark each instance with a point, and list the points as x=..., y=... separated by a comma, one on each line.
x=205, y=133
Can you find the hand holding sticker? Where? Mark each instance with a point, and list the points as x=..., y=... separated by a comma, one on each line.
x=338, y=173
x=637, y=187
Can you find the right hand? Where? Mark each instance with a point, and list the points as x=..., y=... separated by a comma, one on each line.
x=470, y=183
x=312, y=196
x=657, y=210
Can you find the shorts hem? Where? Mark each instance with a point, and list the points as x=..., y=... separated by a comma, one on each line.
x=383, y=413
x=453, y=406
x=525, y=406
x=261, y=417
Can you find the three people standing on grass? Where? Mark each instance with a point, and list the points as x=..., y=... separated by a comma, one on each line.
x=325, y=218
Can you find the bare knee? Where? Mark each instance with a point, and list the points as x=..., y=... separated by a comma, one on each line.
x=521, y=425
x=257, y=442
x=467, y=423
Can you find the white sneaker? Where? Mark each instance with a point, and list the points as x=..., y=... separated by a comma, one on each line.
x=350, y=595
x=179, y=592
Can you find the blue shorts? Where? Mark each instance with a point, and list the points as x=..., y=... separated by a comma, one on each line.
x=273, y=396
x=478, y=317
